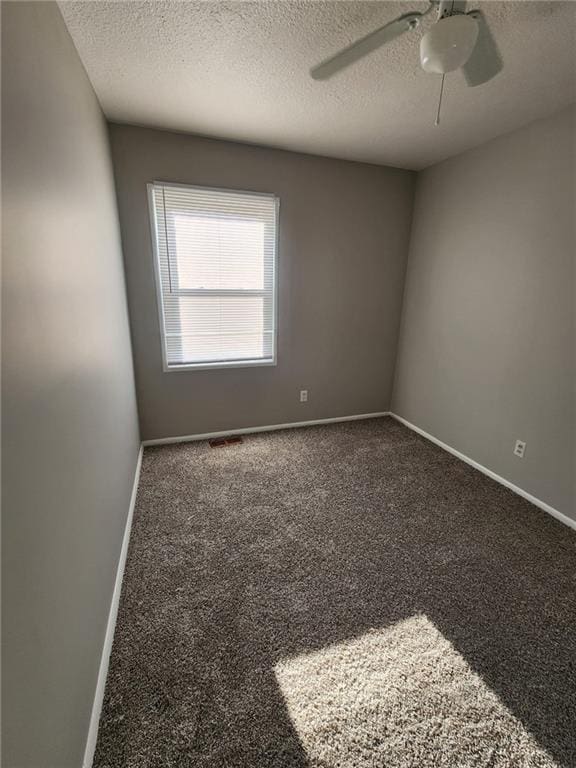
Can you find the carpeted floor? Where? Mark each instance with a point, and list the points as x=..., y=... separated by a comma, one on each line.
x=343, y=596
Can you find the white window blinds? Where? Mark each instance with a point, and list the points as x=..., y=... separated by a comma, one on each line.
x=216, y=273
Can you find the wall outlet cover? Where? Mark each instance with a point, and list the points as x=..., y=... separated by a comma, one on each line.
x=519, y=449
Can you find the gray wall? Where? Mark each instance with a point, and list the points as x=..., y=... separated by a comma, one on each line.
x=342, y=253
x=70, y=436
x=487, y=342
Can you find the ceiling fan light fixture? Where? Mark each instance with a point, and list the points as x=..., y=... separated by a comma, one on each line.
x=448, y=44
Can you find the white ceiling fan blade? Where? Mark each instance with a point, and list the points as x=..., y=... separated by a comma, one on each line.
x=485, y=61
x=366, y=45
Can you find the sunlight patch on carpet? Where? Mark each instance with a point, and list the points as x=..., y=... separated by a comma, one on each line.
x=401, y=696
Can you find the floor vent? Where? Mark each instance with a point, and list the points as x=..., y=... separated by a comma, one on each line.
x=220, y=442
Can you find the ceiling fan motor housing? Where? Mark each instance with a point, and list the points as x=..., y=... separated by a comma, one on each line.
x=448, y=44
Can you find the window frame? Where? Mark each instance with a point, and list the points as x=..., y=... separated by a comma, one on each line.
x=213, y=365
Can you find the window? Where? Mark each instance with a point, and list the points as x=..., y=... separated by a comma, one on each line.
x=216, y=275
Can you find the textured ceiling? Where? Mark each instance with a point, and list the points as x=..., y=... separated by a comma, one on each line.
x=239, y=70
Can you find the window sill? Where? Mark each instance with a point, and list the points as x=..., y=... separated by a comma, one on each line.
x=186, y=368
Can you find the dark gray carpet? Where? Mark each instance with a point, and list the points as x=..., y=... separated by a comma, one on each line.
x=340, y=596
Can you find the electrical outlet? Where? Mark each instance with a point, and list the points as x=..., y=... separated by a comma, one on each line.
x=303, y=395
x=519, y=449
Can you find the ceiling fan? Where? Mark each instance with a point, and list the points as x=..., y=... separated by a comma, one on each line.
x=458, y=40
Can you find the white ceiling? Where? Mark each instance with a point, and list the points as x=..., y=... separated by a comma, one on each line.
x=239, y=70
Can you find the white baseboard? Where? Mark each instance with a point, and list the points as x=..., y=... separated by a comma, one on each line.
x=525, y=495
x=268, y=428
x=109, y=637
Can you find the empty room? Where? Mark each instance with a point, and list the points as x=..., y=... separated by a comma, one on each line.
x=288, y=384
